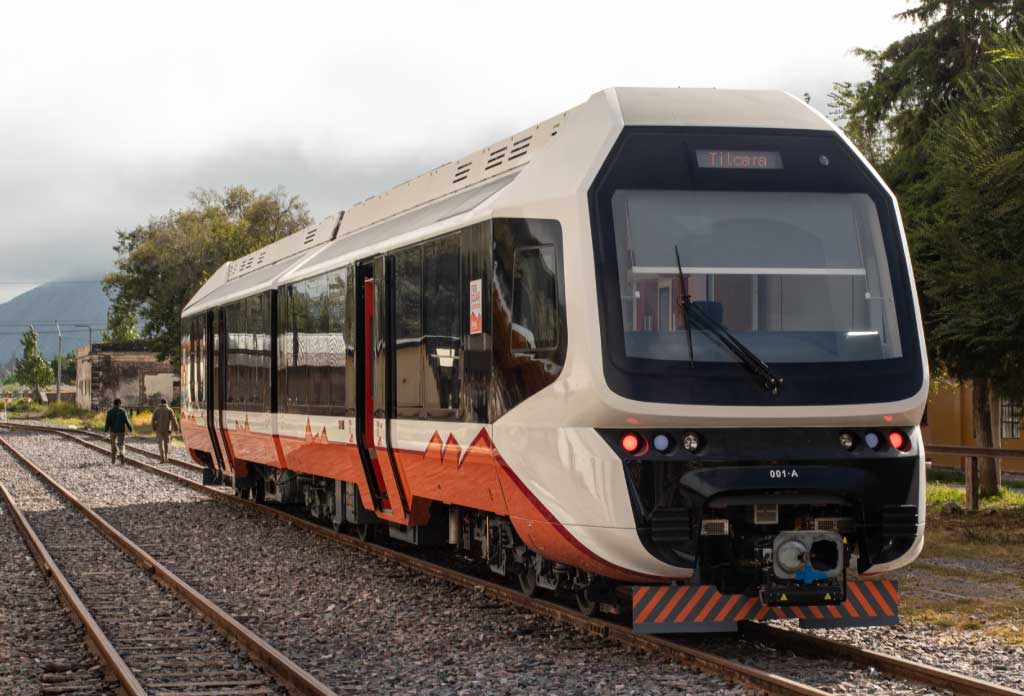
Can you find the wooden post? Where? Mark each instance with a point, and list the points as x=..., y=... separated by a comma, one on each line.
x=971, y=482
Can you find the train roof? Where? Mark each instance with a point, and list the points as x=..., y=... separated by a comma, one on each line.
x=475, y=186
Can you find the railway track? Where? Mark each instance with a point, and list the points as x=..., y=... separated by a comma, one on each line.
x=155, y=633
x=777, y=638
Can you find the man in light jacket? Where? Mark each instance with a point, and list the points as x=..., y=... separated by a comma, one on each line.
x=117, y=425
x=164, y=422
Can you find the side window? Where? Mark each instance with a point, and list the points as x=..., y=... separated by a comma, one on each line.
x=312, y=345
x=528, y=307
x=199, y=364
x=535, y=310
x=409, y=338
x=442, y=310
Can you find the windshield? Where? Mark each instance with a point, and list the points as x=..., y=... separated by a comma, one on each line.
x=796, y=277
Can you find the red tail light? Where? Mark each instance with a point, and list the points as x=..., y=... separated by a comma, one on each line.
x=632, y=443
x=899, y=441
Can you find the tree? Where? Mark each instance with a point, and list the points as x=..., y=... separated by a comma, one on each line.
x=894, y=117
x=161, y=264
x=32, y=370
x=69, y=367
x=971, y=253
x=122, y=324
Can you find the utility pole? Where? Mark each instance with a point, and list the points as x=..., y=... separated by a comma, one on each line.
x=60, y=359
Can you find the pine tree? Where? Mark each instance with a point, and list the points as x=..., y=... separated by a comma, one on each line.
x=32, y=370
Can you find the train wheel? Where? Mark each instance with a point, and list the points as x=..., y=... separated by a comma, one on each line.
x=586, y=605
x=528, y=581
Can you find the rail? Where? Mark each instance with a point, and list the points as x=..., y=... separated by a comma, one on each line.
x=687, y=655
x=293, y=677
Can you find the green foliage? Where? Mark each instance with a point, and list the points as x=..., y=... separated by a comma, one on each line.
x=122, y=324
x=68, y=366
x=970, y=250
x=32, y=370
x=913, y=81
x=10, y=378
x=161, y=264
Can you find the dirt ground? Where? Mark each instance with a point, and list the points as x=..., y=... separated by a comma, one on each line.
x=970, y=574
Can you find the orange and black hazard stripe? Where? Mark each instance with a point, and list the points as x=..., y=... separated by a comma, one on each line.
x=703, y=609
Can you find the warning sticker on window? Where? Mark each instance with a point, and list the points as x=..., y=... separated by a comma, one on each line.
x=476, y=316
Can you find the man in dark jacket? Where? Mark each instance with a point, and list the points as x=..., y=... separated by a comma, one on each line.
x=117, y=425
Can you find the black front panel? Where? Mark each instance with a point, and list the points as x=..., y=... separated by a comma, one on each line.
x=806, y=471
x=654, y=161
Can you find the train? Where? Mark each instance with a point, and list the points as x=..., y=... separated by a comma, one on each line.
x=661, y=352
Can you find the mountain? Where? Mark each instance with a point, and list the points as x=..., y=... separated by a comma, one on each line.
x=69, y=303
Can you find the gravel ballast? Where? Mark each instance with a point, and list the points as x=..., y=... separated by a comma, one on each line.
x=164, y=642
x=364, y=624
x=40, y=644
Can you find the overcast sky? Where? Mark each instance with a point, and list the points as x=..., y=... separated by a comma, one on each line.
x=113, y=112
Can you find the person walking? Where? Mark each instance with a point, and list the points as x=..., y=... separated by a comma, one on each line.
x=164, y=422
x=117, y=425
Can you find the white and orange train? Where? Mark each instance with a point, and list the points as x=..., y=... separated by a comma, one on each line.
x=663, y=346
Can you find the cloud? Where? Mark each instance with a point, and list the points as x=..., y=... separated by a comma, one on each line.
x=113, y=113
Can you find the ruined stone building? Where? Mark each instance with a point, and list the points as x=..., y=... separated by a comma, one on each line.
x=128, y=370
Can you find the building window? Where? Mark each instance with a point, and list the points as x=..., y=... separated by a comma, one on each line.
x=1009, y=419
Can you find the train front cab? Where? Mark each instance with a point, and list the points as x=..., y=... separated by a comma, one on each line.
x=756, y=283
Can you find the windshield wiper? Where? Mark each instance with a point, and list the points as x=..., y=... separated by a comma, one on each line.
x=693, y=313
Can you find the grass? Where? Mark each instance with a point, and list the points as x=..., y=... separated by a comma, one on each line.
x=938, y=494
x=69, y=415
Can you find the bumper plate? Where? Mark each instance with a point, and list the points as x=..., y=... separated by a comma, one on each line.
x=702, y=609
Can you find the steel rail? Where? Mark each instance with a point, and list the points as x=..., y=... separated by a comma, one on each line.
x=1001, y=452
x=803, y=642
x=95, y=635
x=707, y=662
x=291, y=676
x=889, y=664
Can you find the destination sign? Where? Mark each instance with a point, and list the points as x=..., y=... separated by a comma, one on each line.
x=739, y=159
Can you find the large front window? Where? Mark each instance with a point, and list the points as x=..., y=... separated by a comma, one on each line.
x=796, y=277
x=789, y=251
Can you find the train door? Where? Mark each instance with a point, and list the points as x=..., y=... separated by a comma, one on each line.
x=212, y=374
x=218, y=390
x=376, y=387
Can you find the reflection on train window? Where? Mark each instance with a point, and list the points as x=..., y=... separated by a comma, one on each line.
x=797, y=277
x=534, y=299
x=248, y=354
x=312, y=344
x=408, y=329
x=442, y=310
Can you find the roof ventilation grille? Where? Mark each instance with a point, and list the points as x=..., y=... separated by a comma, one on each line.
x=496, y=158
x=554, y=129
x=462, y=172
x=310, y=235
x=519, y=148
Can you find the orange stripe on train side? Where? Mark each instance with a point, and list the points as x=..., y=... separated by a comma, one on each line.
x=663, y=614
x=891, y=589
x=779, y=613
x=652, y=604
x=712, y=601
x=833, y=611
x=638, y=595
x=878, y=598
x=746, y=608
x=860, y=598
x=761, y=613
x=799, y=614
x=689, y=605
x=728, y=607
x=816, y=612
